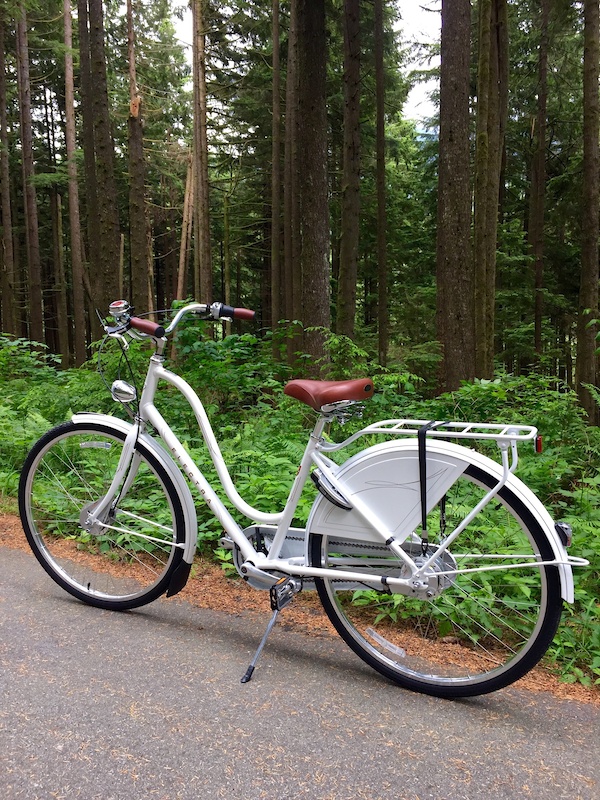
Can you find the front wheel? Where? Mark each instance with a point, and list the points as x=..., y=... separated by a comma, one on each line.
x=483, y=629
x=128, y=558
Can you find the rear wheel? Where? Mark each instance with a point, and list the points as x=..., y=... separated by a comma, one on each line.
x=482, y=630
x=128, y=558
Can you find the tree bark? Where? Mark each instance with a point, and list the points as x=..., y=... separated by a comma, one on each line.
x=203, y=282
x=102, y=213
x=89, y=162
x=350, y=192
x=141, y=295
x=538, y=179
x=74, y=217
x=105, y=281
x=313, y=188
x=491, y=120
x=7, y=284
x=60, y=281
x=292, y=293
x=186, y=231
x=36, y=325
x=382, y=271
x=587, y=358
x=276, y=265
x=454, y=314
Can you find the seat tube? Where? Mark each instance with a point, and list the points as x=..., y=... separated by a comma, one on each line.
x=297, y=487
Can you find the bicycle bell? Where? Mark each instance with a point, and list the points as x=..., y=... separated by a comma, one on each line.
x=119, y=309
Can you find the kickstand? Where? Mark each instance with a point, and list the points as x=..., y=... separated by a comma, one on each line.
x=250, y=669
x=281, y=594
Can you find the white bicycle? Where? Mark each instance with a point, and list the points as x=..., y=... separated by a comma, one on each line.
x=434, y=563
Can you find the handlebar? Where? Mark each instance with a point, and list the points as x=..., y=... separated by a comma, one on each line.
x=120, y=310
x=147, y=326
x=236, y=313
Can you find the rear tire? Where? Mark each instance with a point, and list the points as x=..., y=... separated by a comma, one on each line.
x=128, y=560
x=483, y=630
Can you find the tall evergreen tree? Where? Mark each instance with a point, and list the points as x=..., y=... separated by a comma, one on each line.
x=34, y=273
x=142, y=289
x=587, y=358
x=203, y=281
x=313, y=185
x=276, y=260
x=7, y=261
x=538, y=177
x=455, y=329
x=492, y=97
x=380, y=181
x=79, y=327
x=350, y=200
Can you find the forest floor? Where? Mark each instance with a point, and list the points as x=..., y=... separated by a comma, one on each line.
x=210, y=588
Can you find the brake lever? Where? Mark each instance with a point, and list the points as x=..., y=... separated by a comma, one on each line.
x=122, y=340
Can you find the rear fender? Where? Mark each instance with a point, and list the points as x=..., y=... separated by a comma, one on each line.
x=385, y=478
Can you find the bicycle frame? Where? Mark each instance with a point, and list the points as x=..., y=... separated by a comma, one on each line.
x=261, y=565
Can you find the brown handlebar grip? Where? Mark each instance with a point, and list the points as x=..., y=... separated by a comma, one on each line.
x=243, y=313
x=147, y=326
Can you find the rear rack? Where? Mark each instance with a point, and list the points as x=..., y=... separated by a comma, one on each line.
x=501, y=433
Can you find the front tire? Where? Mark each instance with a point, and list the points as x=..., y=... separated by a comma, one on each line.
x=128, y=559
x=483, y=630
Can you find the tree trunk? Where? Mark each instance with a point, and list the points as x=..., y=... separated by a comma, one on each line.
x=186, y=232
x=382, y=272
x=61, y=307
x=276, y=288
x=313, y=188
x=491, y=120
x=141, y=298
x=292, y=293
x=102, y=213
x=89, y=162
x=535, y=232
x=74, y=219
x=7, y=284
x=203, y=282
x=587, y=360
x=348, y=264
x=105, y=281
x=454, y=315
x=36, y=325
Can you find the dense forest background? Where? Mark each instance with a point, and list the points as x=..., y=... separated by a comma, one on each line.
x=273, y=167
x=270, y=163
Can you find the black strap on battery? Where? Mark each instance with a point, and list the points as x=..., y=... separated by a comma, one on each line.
x=421, y=437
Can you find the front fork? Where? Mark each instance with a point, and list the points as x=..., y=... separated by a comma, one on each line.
x=94, y=516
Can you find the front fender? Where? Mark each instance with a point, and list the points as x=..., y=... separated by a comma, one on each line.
x=385, y=478
x=189, y=510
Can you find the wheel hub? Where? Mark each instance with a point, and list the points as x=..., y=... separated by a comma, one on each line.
x=437, y=577
x=90, y=522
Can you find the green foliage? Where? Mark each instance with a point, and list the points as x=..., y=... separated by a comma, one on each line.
x=20, y=358
x=225, y=558
x=229, y=372
x=262, y=435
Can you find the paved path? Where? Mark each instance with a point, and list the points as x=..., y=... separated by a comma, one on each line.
x=148, y=705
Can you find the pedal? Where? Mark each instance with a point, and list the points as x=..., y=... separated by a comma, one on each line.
x=282, y=593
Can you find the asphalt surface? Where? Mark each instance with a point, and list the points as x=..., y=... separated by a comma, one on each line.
x=148, y=704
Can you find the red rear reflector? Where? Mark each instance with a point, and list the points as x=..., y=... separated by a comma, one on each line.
x=538, y=444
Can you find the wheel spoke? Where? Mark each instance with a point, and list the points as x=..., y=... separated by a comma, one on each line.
x=105, y=563
x=482, y=628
